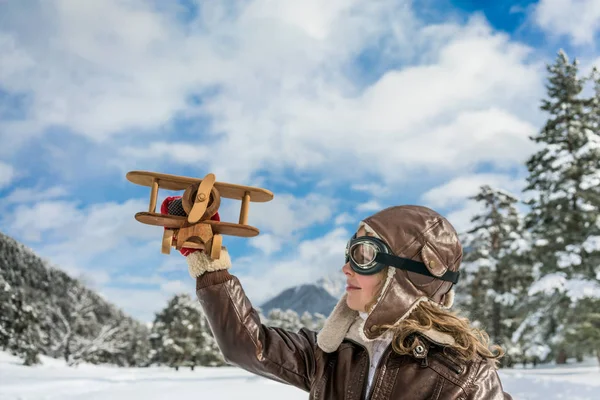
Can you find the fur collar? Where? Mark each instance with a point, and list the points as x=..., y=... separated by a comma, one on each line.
x=354, y=335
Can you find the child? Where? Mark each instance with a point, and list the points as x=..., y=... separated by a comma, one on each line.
x=390, y=336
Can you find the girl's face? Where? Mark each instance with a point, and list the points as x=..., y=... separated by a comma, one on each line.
x=361, y=289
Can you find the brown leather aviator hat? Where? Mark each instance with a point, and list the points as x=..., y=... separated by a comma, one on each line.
x=411, y=232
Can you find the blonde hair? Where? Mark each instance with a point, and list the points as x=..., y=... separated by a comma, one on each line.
x=469, y=342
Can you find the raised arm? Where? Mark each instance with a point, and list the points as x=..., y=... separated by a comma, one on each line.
x=284, y=356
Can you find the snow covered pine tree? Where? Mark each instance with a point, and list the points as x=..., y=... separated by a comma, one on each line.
x=564, y=218
x=497, y=271
x=45, y=311
x=287, y=319
x=181, y=337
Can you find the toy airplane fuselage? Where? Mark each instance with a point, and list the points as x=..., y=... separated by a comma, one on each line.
x=201, y=200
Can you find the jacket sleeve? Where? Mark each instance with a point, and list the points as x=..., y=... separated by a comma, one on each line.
x=273, y=353
x=487, y=384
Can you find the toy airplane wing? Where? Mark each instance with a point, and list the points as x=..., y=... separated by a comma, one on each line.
x=192, y=225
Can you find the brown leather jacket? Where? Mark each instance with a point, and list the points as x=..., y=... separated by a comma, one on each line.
x=294, y=358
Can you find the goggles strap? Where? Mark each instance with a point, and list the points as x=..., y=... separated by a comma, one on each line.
x=414, y=266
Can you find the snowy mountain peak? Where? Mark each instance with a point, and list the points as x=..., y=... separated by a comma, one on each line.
x=334, y=284
x=303, y=298
x=319, y=297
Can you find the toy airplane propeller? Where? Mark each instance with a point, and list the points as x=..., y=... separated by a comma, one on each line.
x=191, y=220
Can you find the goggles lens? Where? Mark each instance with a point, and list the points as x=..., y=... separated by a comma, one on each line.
x=363, y=254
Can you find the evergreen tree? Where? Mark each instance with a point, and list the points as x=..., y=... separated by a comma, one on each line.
x=565, y=204
x=86, y=329
x=585, y=330
x=307, y=321
x=319, y=321
x=137, y=338
x=7, y=313
x=45, y=311
x=497, y=273
x=181, y=337
x=288, y=320
x=313, y=322
x=72, y=314
x=25, y=337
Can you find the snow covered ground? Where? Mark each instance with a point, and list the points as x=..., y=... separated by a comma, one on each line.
x=54, y=380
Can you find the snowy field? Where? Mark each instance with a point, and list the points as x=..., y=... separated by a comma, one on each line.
x=53, y=380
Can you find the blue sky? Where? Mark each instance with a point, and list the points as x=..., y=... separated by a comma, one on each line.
x=340, y=107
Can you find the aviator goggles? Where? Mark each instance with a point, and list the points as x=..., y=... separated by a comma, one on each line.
x=368, y=255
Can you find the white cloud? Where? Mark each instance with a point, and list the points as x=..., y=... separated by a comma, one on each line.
x=285, y=215
x=457, y=190
x=374, y=189
x=453, y=195
x=460, y=218
x=490, y=135
x=371, y=205
x=266, y=242
x=171, y=264
x=311, y=260
x=184, y=153
x=315, y=18
x=344, y=219
x=139, y=74
x=7, y=174
x=32, y=221
x=177, y=286
x=88, y=231
x=153, y=279
x=30, y=195
x=453, y=116
x=292, y=96
x=579, y=19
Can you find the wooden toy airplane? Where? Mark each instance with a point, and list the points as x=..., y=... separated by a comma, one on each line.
x=201, y=199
